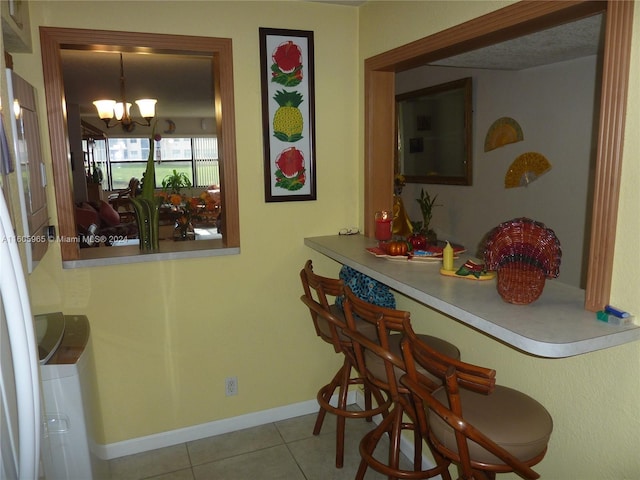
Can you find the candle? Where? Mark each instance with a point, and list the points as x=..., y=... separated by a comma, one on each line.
x=384, y=219
x=447, y=257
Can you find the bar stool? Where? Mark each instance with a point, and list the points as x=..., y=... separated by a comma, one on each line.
x=483, y=427
x=329, y=323
x=381, y=360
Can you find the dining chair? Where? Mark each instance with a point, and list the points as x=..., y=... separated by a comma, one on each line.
x=482, y=427
x=329, y=324
x=381, y=361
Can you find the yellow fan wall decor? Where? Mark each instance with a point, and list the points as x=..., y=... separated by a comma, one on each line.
x=525, y=169
x=503, y=131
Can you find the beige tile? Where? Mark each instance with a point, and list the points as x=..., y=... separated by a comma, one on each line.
x=186, y=474
x=316, y=455
x=298, y=428
x=148, y=464
x=259, y=453
x=275, y=463
x=234, y=443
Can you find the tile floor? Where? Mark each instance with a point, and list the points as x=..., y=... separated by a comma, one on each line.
x=284, y=450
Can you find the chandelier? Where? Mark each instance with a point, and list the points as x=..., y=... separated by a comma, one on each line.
x=108, y=109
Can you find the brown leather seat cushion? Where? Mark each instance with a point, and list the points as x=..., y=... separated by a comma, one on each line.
x=365, y=328
x=513, y=420
x=376, y=365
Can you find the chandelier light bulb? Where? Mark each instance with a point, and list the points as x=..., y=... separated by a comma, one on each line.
x=105, y=108
x=119, y=111
x=147, y=107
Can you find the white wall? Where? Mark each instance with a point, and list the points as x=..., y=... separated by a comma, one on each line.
x=555, y=107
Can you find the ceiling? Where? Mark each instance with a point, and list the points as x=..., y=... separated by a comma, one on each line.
x=183, y=83
x=573, y=40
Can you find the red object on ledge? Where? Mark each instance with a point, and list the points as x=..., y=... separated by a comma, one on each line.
x=384, y=221
x=431, y=251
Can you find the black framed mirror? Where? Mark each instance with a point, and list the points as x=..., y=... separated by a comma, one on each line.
x=434, y=134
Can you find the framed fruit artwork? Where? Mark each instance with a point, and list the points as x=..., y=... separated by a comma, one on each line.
x=288, y=114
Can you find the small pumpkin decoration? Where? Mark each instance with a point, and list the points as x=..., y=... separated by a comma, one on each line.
x=397, y=247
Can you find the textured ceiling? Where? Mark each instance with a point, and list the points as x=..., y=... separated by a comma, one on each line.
x=565, y=42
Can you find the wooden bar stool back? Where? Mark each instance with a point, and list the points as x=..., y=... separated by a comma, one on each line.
x=329, y=324
x=381, y=360
x=482, y=427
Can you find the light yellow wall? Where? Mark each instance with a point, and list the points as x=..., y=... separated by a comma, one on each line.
x=167, y=334
x=593, y=398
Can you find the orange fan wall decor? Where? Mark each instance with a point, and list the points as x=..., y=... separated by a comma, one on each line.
x=503, y=131
x=525, y=169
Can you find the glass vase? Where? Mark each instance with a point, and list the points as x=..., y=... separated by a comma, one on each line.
x=183, y=230
x=147, y=217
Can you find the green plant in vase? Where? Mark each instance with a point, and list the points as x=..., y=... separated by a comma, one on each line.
x=427, y=204
x=147, y=204
x=175, y=182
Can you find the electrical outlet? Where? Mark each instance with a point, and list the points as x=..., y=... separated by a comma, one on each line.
x=231, y=386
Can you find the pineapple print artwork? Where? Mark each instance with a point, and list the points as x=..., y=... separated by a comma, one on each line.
x=287, y=121
x=288, y=105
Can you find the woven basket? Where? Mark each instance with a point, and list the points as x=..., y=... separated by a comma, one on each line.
x=524, y=253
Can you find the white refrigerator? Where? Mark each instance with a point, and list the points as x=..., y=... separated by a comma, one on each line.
x=20, y=400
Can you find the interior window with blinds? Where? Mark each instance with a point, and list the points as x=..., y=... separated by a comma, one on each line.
x=121, y=159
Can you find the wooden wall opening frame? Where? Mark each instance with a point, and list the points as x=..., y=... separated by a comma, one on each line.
x=52, y=40
x=516, y=20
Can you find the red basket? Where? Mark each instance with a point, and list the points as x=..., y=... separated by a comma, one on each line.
x=524, y=253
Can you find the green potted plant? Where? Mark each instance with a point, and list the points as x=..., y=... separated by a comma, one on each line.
x=427, y=204
x=175, y=182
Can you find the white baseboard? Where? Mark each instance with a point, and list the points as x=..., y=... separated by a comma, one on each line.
x=218, y=427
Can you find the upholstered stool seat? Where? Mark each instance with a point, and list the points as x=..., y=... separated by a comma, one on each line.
x=482, y=427
x=376, y=365
x=364, y=327
x=513, y=420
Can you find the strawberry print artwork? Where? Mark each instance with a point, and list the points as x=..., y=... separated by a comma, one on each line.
x=291, y=172
x=287, y=64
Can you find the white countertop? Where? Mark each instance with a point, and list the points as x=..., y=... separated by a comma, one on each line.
x=556, y=325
